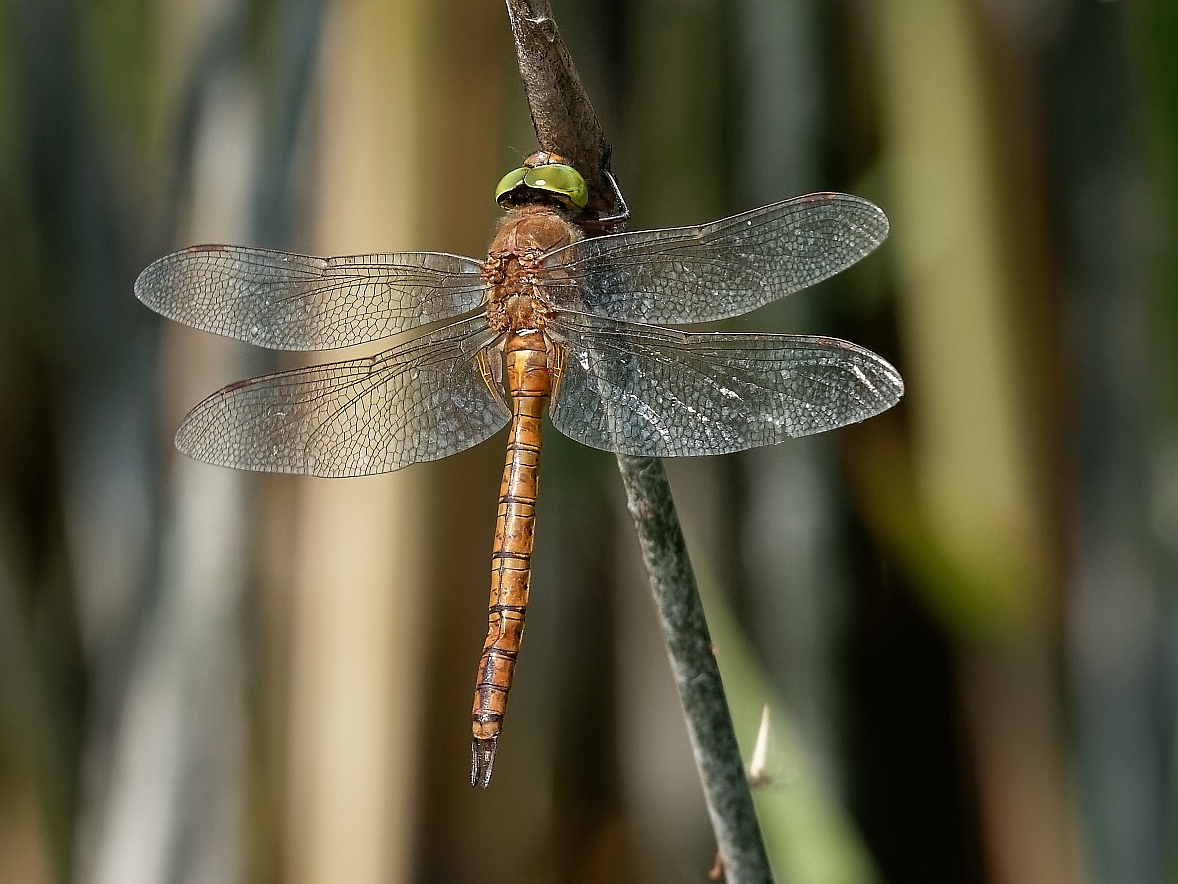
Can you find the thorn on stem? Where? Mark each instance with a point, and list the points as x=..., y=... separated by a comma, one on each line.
x=716, y=872
x=760, y=760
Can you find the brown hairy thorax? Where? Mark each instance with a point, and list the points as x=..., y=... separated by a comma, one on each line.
x=525, y=235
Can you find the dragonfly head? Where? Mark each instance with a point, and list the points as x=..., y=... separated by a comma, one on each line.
x=543, y=175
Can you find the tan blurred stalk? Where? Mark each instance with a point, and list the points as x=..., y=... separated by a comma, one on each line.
x=26, y=849
x=359, y=629
x=175, y=768
x=974, y=480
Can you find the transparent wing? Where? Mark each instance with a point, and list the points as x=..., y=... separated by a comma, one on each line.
x=416, y=402
x=296, y=302
x=658, y=392
x=717, y=270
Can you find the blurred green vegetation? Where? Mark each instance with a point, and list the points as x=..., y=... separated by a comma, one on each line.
x=962, y=613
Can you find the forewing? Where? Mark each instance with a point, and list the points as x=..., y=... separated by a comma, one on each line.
x=657, y=392
x=714, y=271
x=296, y=302
x=416, y=402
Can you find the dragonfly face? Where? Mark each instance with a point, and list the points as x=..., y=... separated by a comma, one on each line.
x=548, y=315
x=543, y=175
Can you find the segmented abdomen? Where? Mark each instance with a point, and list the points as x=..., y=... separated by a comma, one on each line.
x=528, y=381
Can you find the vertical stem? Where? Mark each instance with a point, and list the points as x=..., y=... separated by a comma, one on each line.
x=566, y=124
x=697, y=676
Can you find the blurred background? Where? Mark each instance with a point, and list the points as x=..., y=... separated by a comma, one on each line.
x=961, y=614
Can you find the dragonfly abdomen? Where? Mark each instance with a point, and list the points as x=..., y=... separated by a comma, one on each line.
x=528, y=381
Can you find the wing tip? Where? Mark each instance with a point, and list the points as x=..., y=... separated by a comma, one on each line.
x=193, y=428
x=203, y=432
x=883, y=372
x=888, y=373
x=877, y=231
x=145, y=292
x=898, y=388
x=157, y=281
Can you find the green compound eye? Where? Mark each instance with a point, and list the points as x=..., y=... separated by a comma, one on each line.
x=559, y=179
x=510, y=182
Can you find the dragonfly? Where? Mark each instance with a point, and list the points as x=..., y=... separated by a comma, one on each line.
x=550, y=321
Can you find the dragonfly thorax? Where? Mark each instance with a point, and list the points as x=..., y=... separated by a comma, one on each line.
x=525, y=311
x=533, y=229
x=513, y=267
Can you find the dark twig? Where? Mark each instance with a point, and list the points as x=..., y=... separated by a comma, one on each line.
x=562, y=116
x=566, y=124
x=693, y=664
